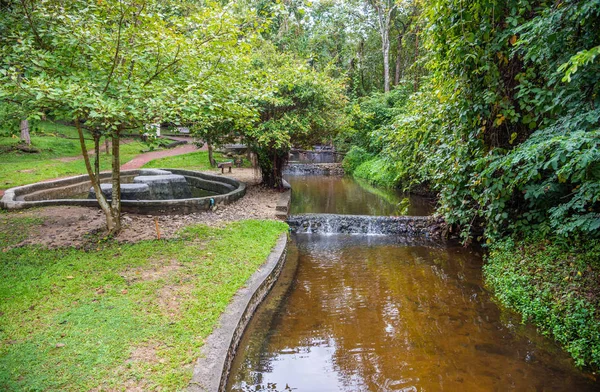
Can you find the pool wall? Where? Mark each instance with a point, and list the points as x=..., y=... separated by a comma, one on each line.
x=54, y=193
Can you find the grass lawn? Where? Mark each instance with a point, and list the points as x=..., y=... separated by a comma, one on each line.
x=118, y=316
x=192, y=161
x=55, y=141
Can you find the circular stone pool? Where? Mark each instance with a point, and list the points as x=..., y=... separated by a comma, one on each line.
x=202, y=191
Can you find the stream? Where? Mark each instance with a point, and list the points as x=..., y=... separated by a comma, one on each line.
x=383, y=313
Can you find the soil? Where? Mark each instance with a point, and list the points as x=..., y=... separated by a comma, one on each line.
x=81, y=227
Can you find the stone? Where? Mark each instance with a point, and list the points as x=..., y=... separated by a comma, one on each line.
x=128, y=192
x=166, y=187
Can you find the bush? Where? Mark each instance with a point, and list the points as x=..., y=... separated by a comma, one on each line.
x=555, y=287
x=354, y=158
x=378, y=171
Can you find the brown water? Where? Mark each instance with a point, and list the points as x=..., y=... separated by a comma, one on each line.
x=378, y=313
x=344, y=195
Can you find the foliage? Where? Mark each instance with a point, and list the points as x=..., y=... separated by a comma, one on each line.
x=553, y=286
x=378, y=171
x=505, y=124
x=343, y=36
x=369, y=118
x=61, y=308
x=305, y=108
x=354, y=158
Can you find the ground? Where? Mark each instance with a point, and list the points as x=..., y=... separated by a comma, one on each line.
x=79, y=311
x=116, y=316
x=77, y=226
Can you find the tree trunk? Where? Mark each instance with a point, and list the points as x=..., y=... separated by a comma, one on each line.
x=398, y=61
x=97, y=157
x=385, y=11
x=106, y=145
x=271, y=164
x=106, y=208
x=25, y=132
x=386, y=61
x=211, y=160
x=116, y=184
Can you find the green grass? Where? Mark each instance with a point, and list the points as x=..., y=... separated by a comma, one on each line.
x=554, y=286
x=18, y=168
x=192, y=161
x=15, y=229
x=121, y=315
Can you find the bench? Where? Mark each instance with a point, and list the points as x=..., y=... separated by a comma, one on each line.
x=223, y=165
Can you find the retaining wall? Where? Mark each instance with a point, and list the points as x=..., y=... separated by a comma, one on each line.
x=214, y=365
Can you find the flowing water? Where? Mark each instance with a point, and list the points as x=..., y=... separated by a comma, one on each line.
x=381, y=313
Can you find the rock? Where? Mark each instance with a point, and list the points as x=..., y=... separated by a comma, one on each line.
x=128, y=192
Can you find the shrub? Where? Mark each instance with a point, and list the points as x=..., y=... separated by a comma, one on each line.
x=554, y=286
x=354, y=158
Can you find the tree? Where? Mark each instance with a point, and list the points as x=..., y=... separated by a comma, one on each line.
x=110, y=66
x=304, y=108
x=385, y=13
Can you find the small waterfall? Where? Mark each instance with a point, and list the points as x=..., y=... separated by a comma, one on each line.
x=410, y=226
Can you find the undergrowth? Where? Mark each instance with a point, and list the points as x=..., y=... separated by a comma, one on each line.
x=554, y=286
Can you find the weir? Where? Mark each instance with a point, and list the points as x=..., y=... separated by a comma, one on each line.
x=412, y=226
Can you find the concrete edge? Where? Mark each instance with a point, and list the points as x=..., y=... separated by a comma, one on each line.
x=212, y=368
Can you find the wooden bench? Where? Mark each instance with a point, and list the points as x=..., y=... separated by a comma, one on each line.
x=223, y=165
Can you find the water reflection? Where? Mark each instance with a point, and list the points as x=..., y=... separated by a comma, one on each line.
x=375, y=314
x=344, y=195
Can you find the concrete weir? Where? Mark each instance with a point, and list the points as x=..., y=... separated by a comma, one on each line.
x=415, y=226
x=314, y=169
